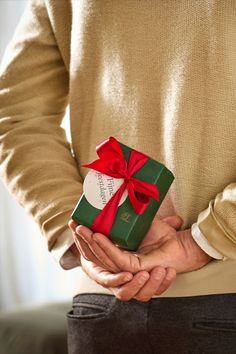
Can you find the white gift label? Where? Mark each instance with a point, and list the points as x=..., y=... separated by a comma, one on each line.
x=99, y=188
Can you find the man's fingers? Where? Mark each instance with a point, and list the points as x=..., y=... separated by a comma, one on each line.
x=83, y=230
x=103, y=258
x=125, y=261
x=111, y=280
x=174, y=221
x=129, y=290
x=103, y=277
x=157, y=276
x=165, y=225
x=167, y=281
x=158, y=230
x=85, y=250
x=159, y=281
x=72, y=225
x=87, y=236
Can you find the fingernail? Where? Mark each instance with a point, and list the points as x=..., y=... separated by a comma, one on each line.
x=95, y=238
x=79, y=232
x=128, y=277
x=158, y=275
x=142, y=279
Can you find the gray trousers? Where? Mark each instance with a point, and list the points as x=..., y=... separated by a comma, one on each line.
x=101, y=324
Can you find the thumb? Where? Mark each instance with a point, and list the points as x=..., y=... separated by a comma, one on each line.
x=174, y=221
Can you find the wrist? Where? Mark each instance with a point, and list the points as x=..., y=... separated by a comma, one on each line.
x=195, y=255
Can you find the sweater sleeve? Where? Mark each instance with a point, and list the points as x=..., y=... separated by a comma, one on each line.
x=36, y=162
x=218, y=222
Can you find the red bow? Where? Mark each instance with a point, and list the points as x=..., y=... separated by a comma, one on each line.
x=112, y=163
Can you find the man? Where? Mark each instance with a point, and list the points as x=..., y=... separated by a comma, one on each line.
x=160, y=77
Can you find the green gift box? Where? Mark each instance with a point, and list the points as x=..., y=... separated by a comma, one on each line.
x=129, y=228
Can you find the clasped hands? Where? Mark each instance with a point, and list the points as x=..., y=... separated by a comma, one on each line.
x=164, y=252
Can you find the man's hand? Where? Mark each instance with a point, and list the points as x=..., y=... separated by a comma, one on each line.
x=81, y=247
x=142, y=286
x=152, y=239
x=125, y=286
x=92, y=252
x=164, y=247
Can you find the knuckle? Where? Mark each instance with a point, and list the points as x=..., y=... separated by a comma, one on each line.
x=159, y=274
x=170, y=279
x=160, y=269
x=171, y=275
x=106, y=283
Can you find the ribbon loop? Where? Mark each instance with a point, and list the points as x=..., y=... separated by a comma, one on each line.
x=112, y=163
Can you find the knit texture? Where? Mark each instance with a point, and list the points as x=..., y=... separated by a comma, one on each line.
x=158, y=75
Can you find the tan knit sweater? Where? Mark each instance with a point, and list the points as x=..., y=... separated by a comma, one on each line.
x=158, y=75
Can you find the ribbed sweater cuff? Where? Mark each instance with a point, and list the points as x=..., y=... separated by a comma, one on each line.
x=214, y=233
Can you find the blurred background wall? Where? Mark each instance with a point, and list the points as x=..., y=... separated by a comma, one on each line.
x=28, y=273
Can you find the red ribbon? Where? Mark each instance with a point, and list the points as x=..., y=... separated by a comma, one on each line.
x=112, y=163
